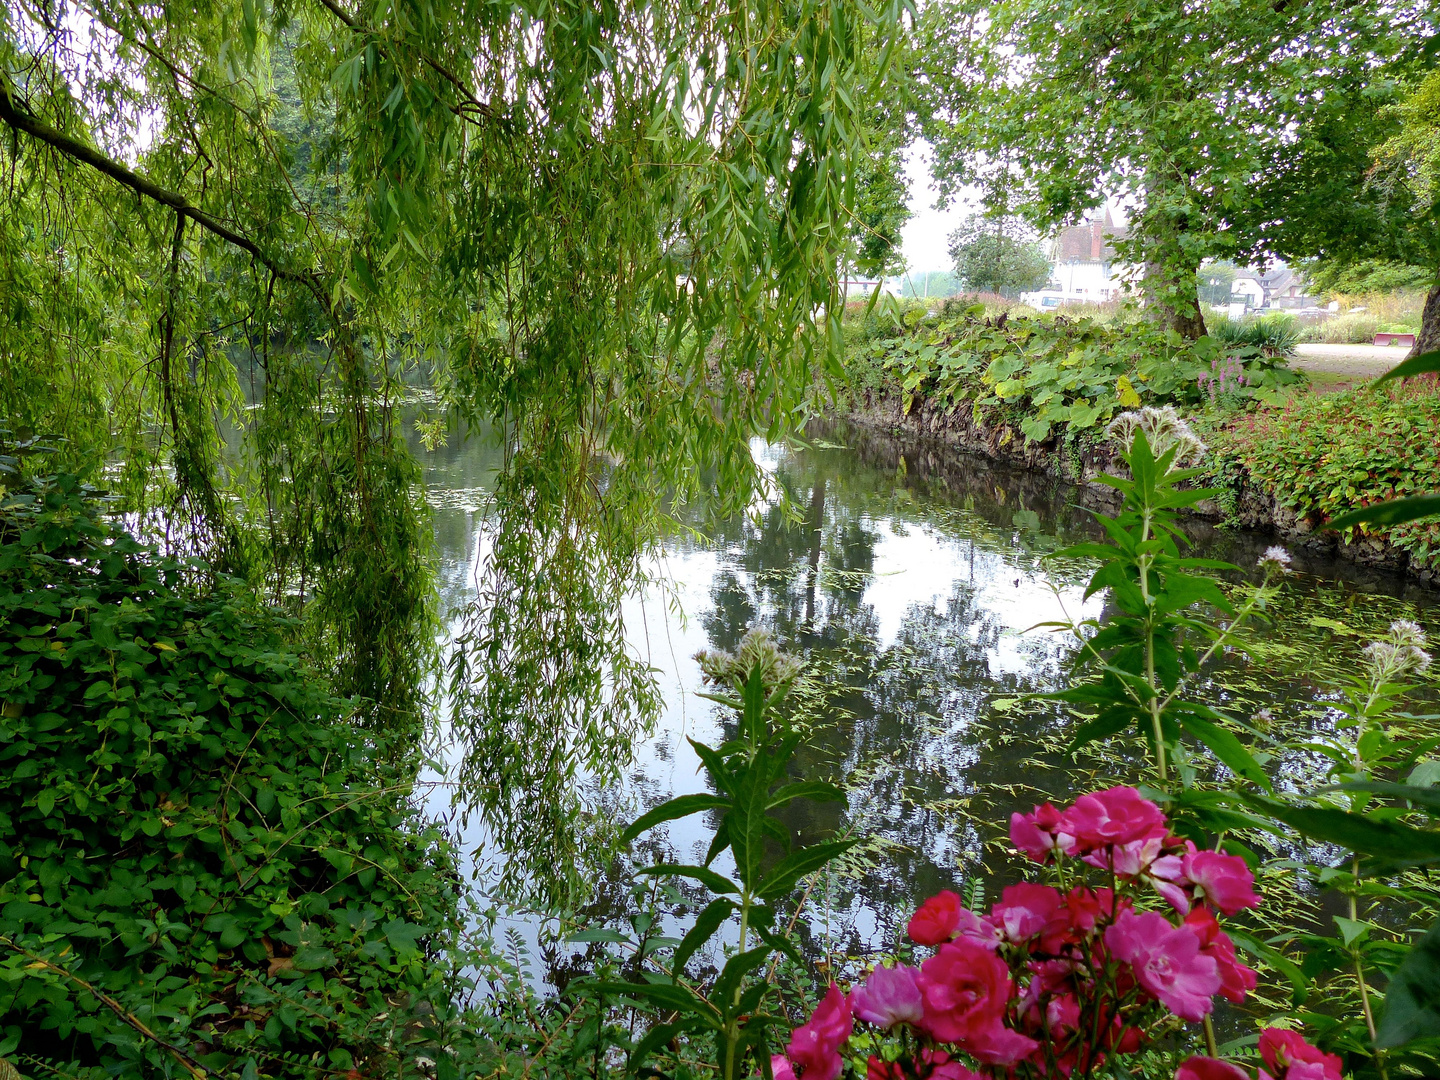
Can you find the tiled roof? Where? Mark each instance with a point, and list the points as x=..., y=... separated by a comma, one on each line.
x=1089, y=242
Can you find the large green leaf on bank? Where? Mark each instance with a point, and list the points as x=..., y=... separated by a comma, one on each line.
x=1425, y=798
x=1424, y=364
x=1224, y=746
x=1394, y=512
x=659, y=1035
x=706, y=923
x=666, y=996
x=816, y=790
x=1412, y=1001
x=712, y=880
x=789, y=870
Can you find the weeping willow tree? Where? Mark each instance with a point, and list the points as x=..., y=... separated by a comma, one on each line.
x=239, y=239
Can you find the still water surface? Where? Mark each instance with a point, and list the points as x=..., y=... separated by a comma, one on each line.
x=911, y=585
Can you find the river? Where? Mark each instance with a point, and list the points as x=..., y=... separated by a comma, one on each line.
x=911, y=585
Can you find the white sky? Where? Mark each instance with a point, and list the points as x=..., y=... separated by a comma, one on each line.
x=925, y=237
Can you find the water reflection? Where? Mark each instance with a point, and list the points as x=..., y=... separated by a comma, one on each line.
x=908, y=577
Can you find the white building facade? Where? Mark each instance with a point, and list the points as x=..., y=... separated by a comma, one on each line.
x=1083, y=267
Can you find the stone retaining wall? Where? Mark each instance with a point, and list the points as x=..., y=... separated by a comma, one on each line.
x=1251, y=507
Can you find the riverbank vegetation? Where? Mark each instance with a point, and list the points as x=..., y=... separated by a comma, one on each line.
x=1057, y=381
x=258, y=260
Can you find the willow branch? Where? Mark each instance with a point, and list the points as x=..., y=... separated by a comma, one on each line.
x=18, y=117
x=466, y=94
x=189, y=1064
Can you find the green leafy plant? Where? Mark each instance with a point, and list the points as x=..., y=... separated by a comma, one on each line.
x=1366, y=457
x=201, y=865
x=1274, y=335
x=750, y=780
x=1153, y=644
x=1381, y=823
x=1041, y=375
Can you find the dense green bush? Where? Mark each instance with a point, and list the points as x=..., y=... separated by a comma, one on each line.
x=1274, y=334
x=1043, y=374
x=1356, y=328
x=1324, y=454
x=191, y=827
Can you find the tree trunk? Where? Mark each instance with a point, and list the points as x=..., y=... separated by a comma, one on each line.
x=1171, y=279
x=1428, y=340
x=1174, y=303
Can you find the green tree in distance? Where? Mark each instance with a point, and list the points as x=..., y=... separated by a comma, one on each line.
x=1216, y=281
x=1176, y=108
x=997, y=254
x=604, y=231
x=1360, y=190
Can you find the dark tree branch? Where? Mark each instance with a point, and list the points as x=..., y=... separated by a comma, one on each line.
x=19, y=118
x=467, y=96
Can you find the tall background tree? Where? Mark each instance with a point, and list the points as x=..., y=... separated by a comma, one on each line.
x=1359, y=190
x=997, y=253
x=235, y=236
x=1175, y=108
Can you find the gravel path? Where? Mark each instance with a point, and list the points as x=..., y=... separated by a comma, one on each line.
x=1356, y=361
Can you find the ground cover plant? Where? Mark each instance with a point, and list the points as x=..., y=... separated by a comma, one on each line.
x=206, y=864
x=1325, y=454
x=1051, y=375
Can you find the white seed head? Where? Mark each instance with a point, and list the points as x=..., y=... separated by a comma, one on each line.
x=757, y=649
x=1402, y=652
x=1274, y=559
x=1164, y=429
x=1408, y=632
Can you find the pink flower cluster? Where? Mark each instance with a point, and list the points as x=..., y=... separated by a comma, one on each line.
x=1059, y=978
x=1226, y=375
x=1286, y=1055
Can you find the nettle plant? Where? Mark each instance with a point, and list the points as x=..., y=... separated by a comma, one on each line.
x=1116, y=952
x=1148, y=650
x=749, y=776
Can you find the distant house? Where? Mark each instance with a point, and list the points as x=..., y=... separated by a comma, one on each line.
x=857, y=287
x=1247, y=289
x=1082, y=266
x=1284, y=288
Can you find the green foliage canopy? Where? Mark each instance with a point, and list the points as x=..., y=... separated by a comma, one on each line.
x=995, y=255
x=191, y=826
x=1175, y=107
x=604, y=230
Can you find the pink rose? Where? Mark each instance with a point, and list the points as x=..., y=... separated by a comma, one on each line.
x=1222, y=880
x=1039, y=834
x=815, y=1046
x=966, y=990
x=1167, y=962
x=1118, y=815
x=947, y=1069
x=889, y=997
x=1077, y=918
x=1208, y=1068
x=1236, y=980
x=1283, y=1051
x=1128, y=860
x=982, y=932
x=1063, y=1014
x=937, y=919
x=929, y=1065
x=1024, y=910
